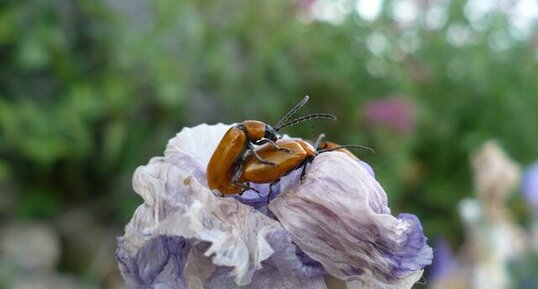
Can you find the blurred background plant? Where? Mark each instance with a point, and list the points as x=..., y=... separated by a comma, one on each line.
x=89, y=90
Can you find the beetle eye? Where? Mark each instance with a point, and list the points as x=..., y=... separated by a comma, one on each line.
x=270, y=133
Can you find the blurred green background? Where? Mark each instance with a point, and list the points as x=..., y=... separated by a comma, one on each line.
x=89, y=90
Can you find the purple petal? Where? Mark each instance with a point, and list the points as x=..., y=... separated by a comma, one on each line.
x=268, y=277
x=529, y=186
x=414, y=254
x=443, y=259
x=158, y=264
x=339, y=217
x=291, y=259
x=259, y=201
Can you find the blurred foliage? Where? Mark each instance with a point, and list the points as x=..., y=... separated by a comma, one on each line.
x=89, y=90
x=524, y=272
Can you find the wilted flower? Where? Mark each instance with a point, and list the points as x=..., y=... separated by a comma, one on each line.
x=334, y=222
x=395, y=113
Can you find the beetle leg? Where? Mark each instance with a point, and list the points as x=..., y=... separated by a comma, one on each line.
x=248, y=187
x=251, y=147
x=237, y=173
x=235, y=180
x=266, y=140
x=303, y=170
x=271, y=191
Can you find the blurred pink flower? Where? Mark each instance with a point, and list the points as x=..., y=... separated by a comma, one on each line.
x=306, y=4
x=395, y=113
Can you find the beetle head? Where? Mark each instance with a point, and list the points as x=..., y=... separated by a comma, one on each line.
x=270, y=133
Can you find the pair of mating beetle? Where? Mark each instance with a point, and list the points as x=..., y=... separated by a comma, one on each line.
x=253, y=152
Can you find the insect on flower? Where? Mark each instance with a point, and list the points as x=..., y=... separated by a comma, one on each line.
x=288, y=155
x=225, y=165
x=184, y=234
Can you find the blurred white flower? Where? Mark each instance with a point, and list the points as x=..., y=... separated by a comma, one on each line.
x=492, y=238
x=496, y=176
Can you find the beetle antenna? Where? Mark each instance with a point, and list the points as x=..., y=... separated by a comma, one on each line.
x=312, y=125
x=293, y=111
x=306, y=117
x=371, y=150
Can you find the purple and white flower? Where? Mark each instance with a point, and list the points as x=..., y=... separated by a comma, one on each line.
x=335, y=222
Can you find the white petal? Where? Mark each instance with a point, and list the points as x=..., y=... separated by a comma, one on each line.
x=179, y=206
x=339, y=217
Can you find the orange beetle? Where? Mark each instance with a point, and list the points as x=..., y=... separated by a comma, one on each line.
x=290, y=155
x=329, y=145
x=323, y=146
x=226, y=162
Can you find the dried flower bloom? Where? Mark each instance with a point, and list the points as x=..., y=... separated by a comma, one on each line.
x=335, y=222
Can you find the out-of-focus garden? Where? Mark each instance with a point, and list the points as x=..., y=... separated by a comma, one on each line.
x=89, y=90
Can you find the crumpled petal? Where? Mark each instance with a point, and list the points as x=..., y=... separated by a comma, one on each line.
x=191, y=149
x=183, y=236
x=159, y=261
x=339, y=216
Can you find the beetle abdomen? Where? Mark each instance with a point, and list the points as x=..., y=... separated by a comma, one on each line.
x=257, y=172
